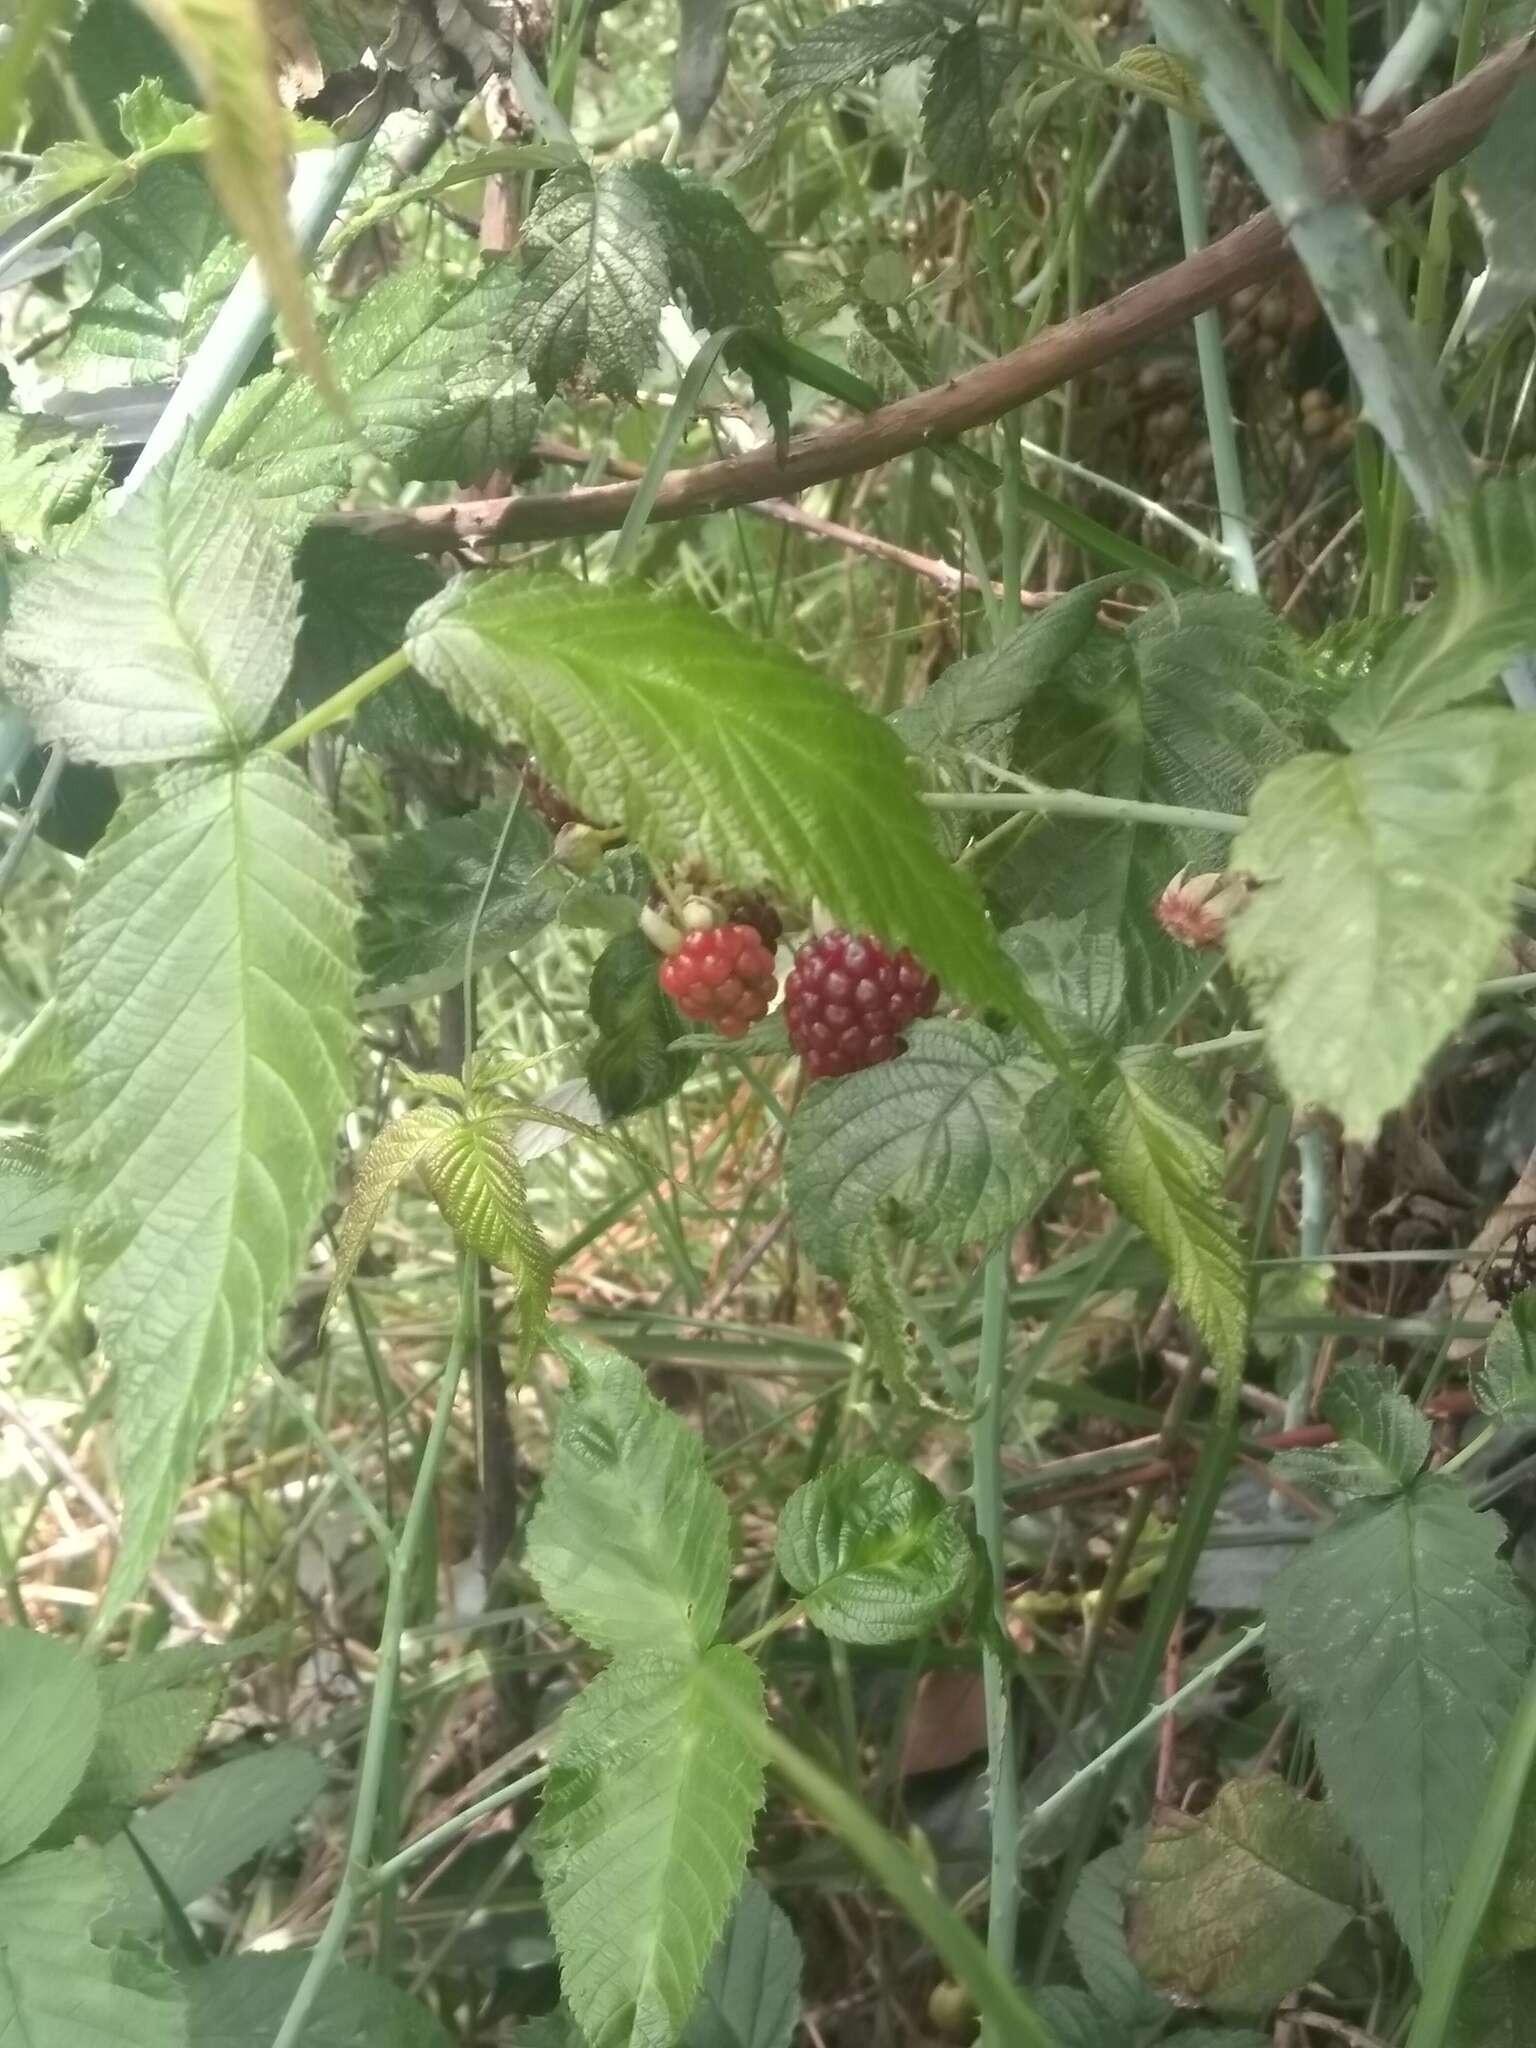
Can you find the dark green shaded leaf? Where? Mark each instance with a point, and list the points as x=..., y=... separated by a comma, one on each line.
x=1075, y=973
x=750, y=1997
x=846, y=48
x=240, y=2001
x=975, y=702
x=633, y=1065
x=1506, y=1385
x=1383, y=1438
x=1494, y=2010
x=965, y=94
x=873, y=1549
x=1095, y=1929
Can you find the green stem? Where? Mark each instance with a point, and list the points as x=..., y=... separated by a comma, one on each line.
x=1002, y=1736
x=341, y=704
x=1081, y=803
x=458, y=1824
x=1479, y=1874
x=355, y=1879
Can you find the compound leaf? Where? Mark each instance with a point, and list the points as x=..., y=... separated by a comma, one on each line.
x=643, y=1838
x=873, y=1549
x=396, y=1151
x=750, y=1997
x=1384, y=892
x=205, y=994
x=165, y=634
x=58, y=1988
x=712, y=747
x=1402, y=1638
x=629, y=1542
x=50, y=1713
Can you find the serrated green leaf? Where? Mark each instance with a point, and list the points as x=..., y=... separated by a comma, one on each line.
x=855, y=44
x=1189, y=706
x=1075, y=2021
x=240, y=2002
x=1235, y=1908
x=1384, y=891
x=1497, y=184
x=630, y=1539
x=58, y=1988
x=165, y=634
x=976, y=701
x=214, y=1067
x=709, y=746
x=1156, y=74
x=47, y=477
x=358, y=595
x=154, y=1710
x=1506, y=1385
x=1075, y=973
x=634, y=1063
x=750, y=1997
x=875, y=1296
x=1383, y=1438
x=476, y=1181
x=1150, y=1136
x=34, y=1198
x=964, y=1135
x=1402, y=1638
x=643, y=1838
x=594, y=282
x=1095, y=1930
x=62, y=170
x=1482, y=615
x=151, y=119
x=424, y=894
x=873, y=1549
x=965, y=95
x=1494, y=2009
x=398, y=1149
x=50, y=1713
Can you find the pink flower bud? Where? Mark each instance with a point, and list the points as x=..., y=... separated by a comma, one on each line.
x=1194, y=908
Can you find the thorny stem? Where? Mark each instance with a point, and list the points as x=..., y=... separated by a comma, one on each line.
x=341, y=703
x=456, y=1825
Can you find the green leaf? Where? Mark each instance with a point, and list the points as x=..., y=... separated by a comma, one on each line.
x=63, y=169
x=874, y=1550
x=1076, y=2021
x=633, y=1065
x=594, y=282
x=750, y=1997
x=630, y=1540
x=398, y=1149
x=49, y=1716
x=240, y=2001
x=876, y=1298
x=964, y=1135
x=711, y=747
x=1384, y=892
x=1402, y=1638
x=424, y=893
x=1497, y=184
x=58, y=1989
x=34, y=1199
x=1189, y=706
x=47, y=477
x=644, y=1833
x=154, y=1710
x=1506, y=1386
x=858, y=43
x=476, y=1181
x=473, y=168
x=152, y=120
x=974, y=702
x=1482, y=615
x=209, y=1828
x=358, y=596
x=1162, y=1166
x=166, y=633
x=1494, y=2010
x=1074, y=972
x=1236, y=1908
x=965, y=94
x=214, y=1067
x=1383, y=1438
x=1095, y=1929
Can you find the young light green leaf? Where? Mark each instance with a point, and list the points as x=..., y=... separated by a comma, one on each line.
x=58, y=1988
x=964, y=1135
x=634, y=1063
x=214, y=1066
x=424, y=895
x=47, y=477
x=1384, y=892
x=50, y=1713
x=398, y=1149
x=1150, y=1136
x=34, y=1198
x=1235, y=1908
x=165, y=634
x=965, y=95
x=207, y=1829
x=62, y=170
x=1403, y=1638
x=1482, y=615
x=662, y=717
x=630, y=1539
x=975, y=702
x=594, y=282
x=750, y=1997
x=476, y=1181
x=1383, y=1438
x=1506, y=1385
x=240, y=2002
x=154, y=1709
x=643, y=1838
x=874, y=1550
x=1498, y=191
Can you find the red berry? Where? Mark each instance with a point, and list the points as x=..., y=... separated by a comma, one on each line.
x=723, y=976
x=847, y=1002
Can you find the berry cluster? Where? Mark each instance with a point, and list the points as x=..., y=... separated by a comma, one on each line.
x=722, y=976
x=847, y=1002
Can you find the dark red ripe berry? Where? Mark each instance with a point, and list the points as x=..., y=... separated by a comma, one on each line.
x=723, y=976
x=847, y=1002
x=757, y=911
